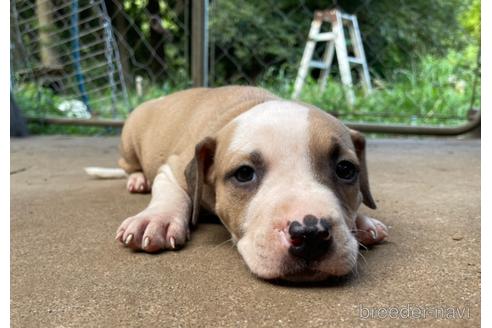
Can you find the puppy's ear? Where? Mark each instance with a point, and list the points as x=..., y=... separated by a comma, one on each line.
x=196, y=172
x=360, y=149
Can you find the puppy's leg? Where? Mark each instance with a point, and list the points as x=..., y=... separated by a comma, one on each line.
x=370, y=231
x=130, y=162
x=164, y=223
x=137, y=183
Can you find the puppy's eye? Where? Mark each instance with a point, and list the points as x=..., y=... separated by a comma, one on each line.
x=345, y=170
x=245, y=174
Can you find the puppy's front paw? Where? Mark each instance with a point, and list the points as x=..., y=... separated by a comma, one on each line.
x=370, y=231
x=152, y=232
x=138, y=183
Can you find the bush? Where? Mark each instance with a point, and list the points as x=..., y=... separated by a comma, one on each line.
x=435, y=91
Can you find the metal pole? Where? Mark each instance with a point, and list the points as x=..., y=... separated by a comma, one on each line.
x=363, y=127
x=417, y=130
x=76, y=121
x=199, y=42
x=74, y=30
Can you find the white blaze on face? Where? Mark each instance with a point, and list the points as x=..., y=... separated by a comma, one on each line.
x=289, y=121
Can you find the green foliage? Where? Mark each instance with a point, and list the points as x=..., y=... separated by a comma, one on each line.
x=41, y=102
x=437, y=91
x=251, y=37
x=422, y=56
x=37, y=128
x=397, y=33
x=36, y=101
x=173, y=61
x=470, y=19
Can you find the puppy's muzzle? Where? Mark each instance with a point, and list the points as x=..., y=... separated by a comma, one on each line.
x=310, y=239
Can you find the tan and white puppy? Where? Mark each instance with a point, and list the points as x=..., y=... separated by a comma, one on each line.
x=285, y=178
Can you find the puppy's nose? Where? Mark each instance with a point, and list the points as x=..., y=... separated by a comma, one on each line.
x=311, y=238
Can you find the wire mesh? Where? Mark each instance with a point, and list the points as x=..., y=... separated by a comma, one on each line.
x=110, y=55
x=84, y=58
x=66, y=50
x=422, y=56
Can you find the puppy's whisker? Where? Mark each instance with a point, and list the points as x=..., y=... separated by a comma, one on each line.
x=355, y=267
x=363, y=246
x=223, y=243
x=219, y=245
x=362, y=256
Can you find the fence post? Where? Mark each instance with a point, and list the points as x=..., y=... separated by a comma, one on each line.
x=199, y=42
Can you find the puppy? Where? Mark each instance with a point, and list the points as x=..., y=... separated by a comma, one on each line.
x=285, y=178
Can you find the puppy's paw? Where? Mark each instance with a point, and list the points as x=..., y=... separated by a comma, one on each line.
x=370, y=231
x=152, y=232
x=138, y=183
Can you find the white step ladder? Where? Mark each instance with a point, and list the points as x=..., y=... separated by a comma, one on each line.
x=335, y=42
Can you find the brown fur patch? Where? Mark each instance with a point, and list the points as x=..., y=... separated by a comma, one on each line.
x=330, y=143
x=231, y=199
x=174, y=124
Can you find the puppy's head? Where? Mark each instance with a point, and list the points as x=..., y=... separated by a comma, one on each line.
x=287, y=180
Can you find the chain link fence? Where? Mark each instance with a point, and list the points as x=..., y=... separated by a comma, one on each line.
x=99, y=59
x=423, y=58
x=96, y=58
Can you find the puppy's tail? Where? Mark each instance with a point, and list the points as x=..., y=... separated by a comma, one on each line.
x=105, y=173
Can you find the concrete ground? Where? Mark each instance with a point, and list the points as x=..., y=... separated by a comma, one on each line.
x=67, y=271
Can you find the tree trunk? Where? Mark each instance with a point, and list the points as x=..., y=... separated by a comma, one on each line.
x=157, y=36
x=44, y=10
